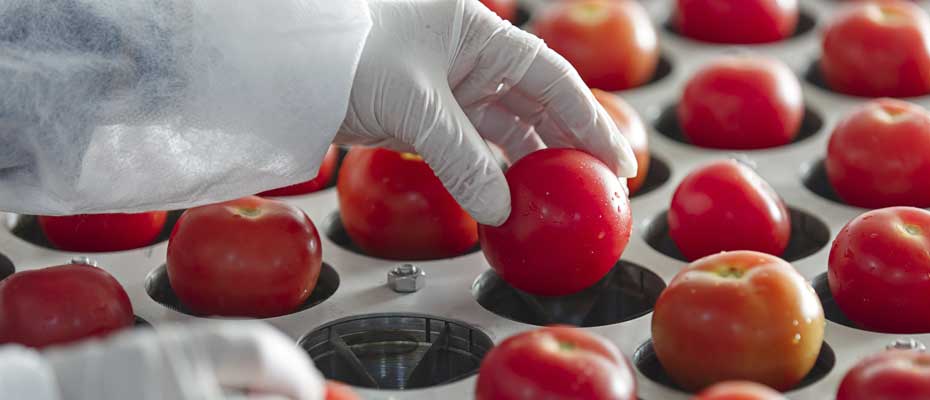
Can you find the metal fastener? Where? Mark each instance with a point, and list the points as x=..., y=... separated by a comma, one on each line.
x=84, y=260
x=406, y=278
x=907, y=344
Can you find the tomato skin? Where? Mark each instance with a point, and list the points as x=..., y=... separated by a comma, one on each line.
x=738, y=390
x=611, y=43
x=339, y=391
x=393, y=206
x=60, y=305
x=742, y=102
x=102, y=232
x=879, y=156
x=632, y=127
x=727, y=196
x=539, y=364
x=569, y=223
x=323, y=176
x=250, y=257
x=760, y=21
x=889, y=375
x=506, y=9
x=878, y=50
x=739, y=315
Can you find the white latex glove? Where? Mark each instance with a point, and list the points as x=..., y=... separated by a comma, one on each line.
x=432, y=71
x=195, y=362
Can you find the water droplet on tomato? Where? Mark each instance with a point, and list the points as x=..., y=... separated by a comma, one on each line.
x=796, y=339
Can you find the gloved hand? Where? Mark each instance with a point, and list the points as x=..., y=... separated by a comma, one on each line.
x=438, y=76
x=202, y=361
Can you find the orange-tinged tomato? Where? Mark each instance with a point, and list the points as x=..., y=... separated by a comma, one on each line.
x=632, y=127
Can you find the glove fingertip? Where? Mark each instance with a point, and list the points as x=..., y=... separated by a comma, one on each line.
x=492, y=206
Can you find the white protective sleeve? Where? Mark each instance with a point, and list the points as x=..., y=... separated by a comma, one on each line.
x=115, y=105
x=24, y=375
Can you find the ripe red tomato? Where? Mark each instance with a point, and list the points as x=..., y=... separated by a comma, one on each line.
x=507, y=9
x=877, y=270
x=339, y=391
x=878, y=49
x=61, y=304
x=742, y=102
x=250, y=257
x=102, y=232
x=570, y=221
x=739, y=390
x=540, y=364
x=323, y=176
x=611, y=43
x=393, y=206
x=729, y=198
x=889, y=375
x=760, y=21
x=879, y=156
x=739, y=315
x=631, y=126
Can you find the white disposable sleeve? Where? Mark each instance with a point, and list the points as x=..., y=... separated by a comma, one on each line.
x=114, y=105
x=24, y=375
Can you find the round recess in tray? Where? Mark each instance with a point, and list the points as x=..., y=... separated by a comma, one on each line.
x=831, y=311
x=657, y=176
x=396, y=351
x=336, y=232
x=806, y=24
x=814, y=176
x=26, y=227
x=627, y=292
x=6, y=267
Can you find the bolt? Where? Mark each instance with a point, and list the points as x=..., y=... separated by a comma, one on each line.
x=406, y=278
x=907, y=344
x=84, y=260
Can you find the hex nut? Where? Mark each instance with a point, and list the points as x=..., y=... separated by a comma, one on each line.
x=84, y=260
x=907, y=344
x=406, y=278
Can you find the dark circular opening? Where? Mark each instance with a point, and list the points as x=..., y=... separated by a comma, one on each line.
x=830, y=310
x=659, y=173
x=647, y=362
x=522, y=17
x=26, y=227
x=808, y=235
x=159, y=289
x=667, y=125
x=337, y=234
x=6, y=267
x=627, y=292
x=814, y=177
x=806, y=24
x=396, y=351
x=663, y=70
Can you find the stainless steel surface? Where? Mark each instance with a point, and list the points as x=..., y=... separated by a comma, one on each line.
x=407, y=278
x=84, y=260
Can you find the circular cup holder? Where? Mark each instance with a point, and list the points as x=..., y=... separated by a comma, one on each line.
x=806, y=24
x=396, y=351
x=658, y=175
x=663, y=70
x=159, y=289
x=647, y=362
x=337, y=234
x=26, y=227
x=6, y=267
x=831, y=311
x=667, y=125
x=627, y=292
x=808, y=235
x=814, y=176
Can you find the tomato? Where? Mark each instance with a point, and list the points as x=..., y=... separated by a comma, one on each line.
x=540, y=364
x=878, y=270
x=250, y=257
x=569, y=222
x=393, y=206
x=323, y=177
x=879, y=156
x=339, y=391
x=611, y=43
x=760, y=21
x=632, y=127
x=739, y=390
x=742, y=102
x=739, y=315
x=507, y=9
x=878, y=49
x=102, y=232
x=889, y=375
x=61, y=304
x=731, y=200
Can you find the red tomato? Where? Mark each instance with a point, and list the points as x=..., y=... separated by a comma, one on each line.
x=878, y=270
x=569, y=223
x=739, y=315
x=878, y=49
x=61, y=304
x=742, y=102
x=879, y=156
x=760, y=21
x=556, y=362
x=393, y=206
x=631, y=126
x=324, y=175
x=739, y=390
x=507, y=9
x=731, y=201
x=611, y=43
x=103, y=232
x=250, y=257
x=889, y=375
x=339, y=391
